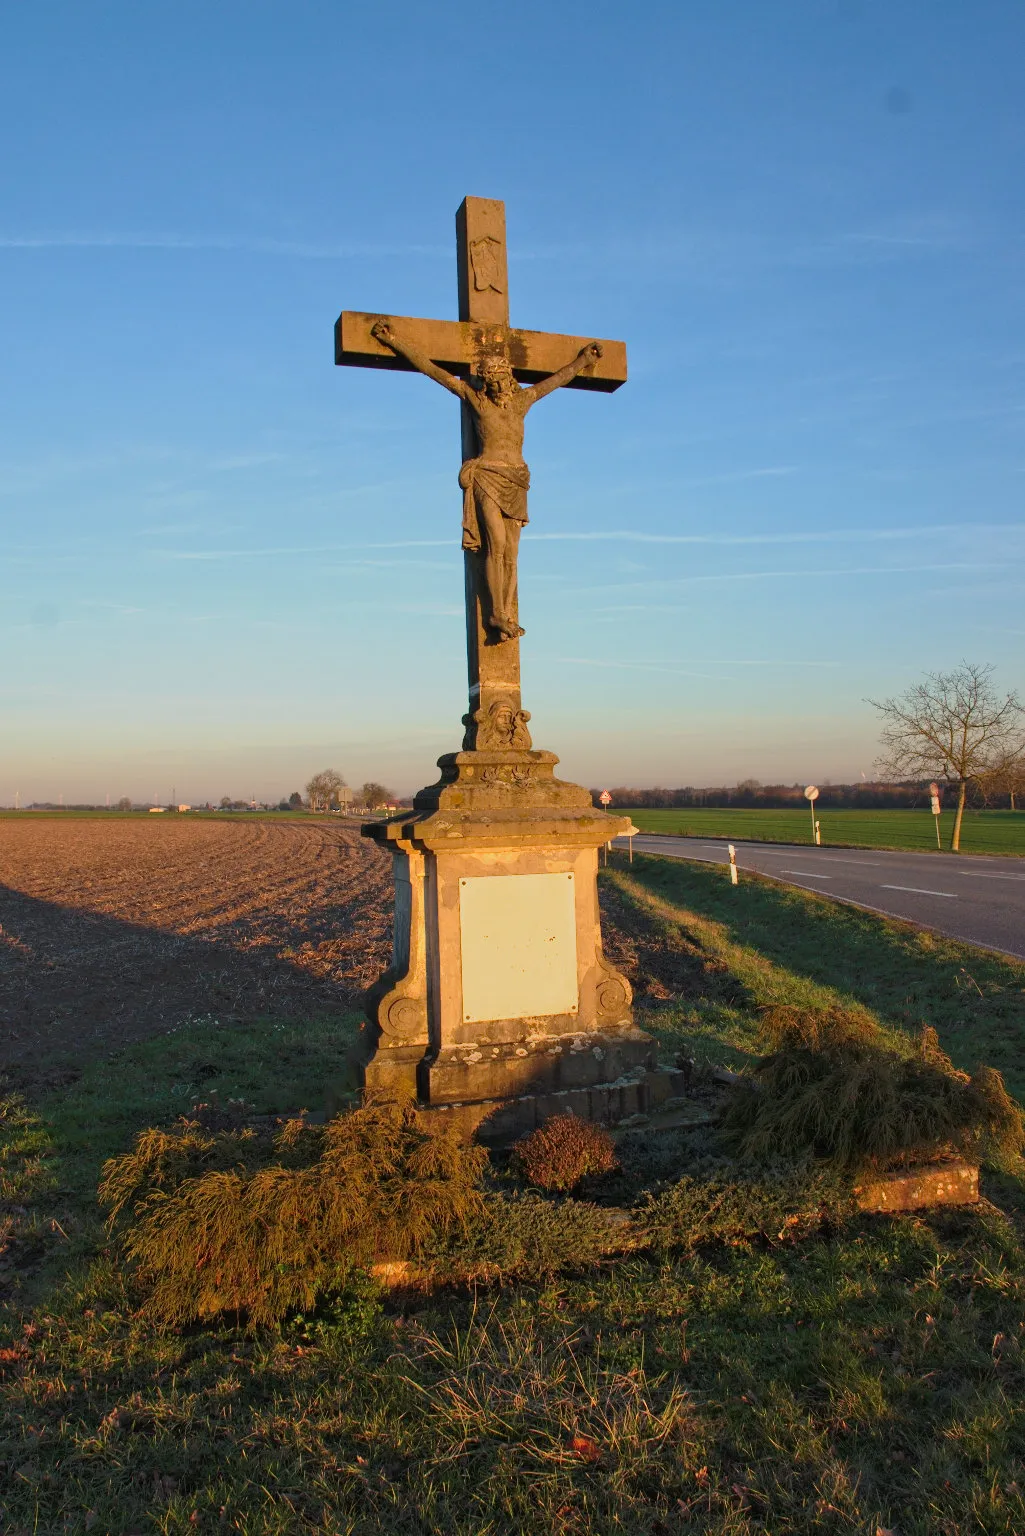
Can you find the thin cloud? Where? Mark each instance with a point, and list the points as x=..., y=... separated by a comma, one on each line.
x=278, y=552
x=814, y=536
x=705, y=661
x=804, y=575
x=770, y=472
x=169, y=241
x=634, y=666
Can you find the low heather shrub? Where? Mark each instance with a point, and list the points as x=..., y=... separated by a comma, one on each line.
x=563, y=1151
x=212, y=1227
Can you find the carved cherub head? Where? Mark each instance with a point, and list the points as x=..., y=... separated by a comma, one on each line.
x=495, y=372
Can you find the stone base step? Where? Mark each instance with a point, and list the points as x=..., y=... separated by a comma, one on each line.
x=499, y=1122
x=536, y=1065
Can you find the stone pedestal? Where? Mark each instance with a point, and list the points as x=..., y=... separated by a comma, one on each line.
x=499, y=1008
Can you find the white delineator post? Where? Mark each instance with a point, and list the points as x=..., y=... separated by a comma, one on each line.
x=811, y=794
x=733, y=864
x=934, y=795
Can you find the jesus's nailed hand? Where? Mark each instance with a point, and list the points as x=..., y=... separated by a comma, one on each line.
x=591, y=352
x=382, y=331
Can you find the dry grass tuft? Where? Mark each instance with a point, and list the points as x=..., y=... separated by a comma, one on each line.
x=563, y=1151
x=212, y=1227
x=552, y=1398
x=833, y=1086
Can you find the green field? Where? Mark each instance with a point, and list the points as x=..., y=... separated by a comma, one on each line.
x=981, y=831
x=868, y=1379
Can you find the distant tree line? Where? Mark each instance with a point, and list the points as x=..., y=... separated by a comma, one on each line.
x=911, y=795
x=326, y=791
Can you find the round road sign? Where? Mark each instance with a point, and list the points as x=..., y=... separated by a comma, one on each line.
x=811, y=793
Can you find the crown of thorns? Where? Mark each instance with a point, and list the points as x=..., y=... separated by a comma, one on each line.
x=494, y=362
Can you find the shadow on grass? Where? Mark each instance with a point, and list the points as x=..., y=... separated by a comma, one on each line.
x=109, y=1027
x=77, y=986
x=688, y=999
x=51, y=1153
x=907, y=976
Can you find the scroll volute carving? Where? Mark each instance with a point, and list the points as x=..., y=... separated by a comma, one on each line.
x=402, y=1018
x=613, y=993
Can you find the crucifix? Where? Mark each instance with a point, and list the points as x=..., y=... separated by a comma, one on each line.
x=498, y=374
x=499, y=1007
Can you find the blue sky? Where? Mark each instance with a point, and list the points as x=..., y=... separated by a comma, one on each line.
x=229, y=563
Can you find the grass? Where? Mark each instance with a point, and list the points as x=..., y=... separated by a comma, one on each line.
x=993, y=832
x=865, y=1380
x=777, y=946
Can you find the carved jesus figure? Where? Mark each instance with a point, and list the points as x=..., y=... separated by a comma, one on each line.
x=495, y=483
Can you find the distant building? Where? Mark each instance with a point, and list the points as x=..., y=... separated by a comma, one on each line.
x=157, y=810
x=185, y=807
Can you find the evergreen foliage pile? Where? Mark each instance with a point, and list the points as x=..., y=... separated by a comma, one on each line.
x=834, y=1086
x=211, y=1227
x=777, y=1204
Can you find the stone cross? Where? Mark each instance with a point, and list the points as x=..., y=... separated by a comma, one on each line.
x=499, y=1007
x=481, y=347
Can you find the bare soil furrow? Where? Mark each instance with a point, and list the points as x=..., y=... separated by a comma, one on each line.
x=114, y=931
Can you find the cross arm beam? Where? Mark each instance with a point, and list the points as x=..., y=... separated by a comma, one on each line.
x=457, y=345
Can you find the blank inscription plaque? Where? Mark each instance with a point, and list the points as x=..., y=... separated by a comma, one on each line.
x=519, y=946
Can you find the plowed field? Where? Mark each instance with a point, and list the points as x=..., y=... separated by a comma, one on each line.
x=115, y=931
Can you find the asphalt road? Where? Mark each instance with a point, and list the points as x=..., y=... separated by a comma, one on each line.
x=980, y=900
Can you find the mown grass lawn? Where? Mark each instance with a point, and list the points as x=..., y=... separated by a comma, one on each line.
x=994, y=832
x=869, y=1379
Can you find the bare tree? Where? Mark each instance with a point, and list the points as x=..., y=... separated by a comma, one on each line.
x=372, y=795
x=953, y=726
x=1007, y=776
x=323, y=789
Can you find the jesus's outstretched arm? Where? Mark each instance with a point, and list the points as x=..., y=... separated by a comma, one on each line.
x=383, y=332
x=584, y=358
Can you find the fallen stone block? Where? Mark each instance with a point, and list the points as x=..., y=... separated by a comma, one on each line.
x=915, y=1189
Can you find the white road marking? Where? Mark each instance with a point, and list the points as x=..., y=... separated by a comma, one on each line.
x=866, y=863
x=916, y=890
x=977, y=874
x=809, y=874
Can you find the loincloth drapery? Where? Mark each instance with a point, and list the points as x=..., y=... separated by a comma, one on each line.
x=507, y=486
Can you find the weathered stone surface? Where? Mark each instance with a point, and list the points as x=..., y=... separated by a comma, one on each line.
x=540, y=1063
x=421, y=1028
x=498, y=994
x=915, y=1189
x=500, y=1121
x=457, y=345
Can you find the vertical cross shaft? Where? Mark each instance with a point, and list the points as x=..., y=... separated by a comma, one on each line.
x=493, y=668
x=481, y=346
